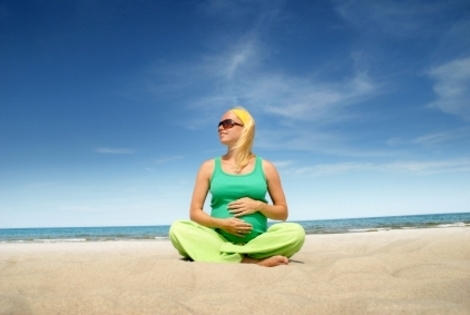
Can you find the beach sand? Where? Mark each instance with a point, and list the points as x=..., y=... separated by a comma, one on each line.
x=416, y=271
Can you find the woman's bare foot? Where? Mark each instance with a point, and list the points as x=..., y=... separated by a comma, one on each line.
x=267, y=262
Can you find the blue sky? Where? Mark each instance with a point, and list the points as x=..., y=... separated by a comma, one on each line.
x=107, y=108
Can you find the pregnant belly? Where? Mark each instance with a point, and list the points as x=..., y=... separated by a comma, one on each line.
x=257, y=220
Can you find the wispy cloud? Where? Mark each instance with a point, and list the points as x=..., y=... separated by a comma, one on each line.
x=307, y=99
x=398, y=18
x=452, y=87
x=442, y=166
x=80, y=209
x=105, y=150
x=243, y=10
x=283, y=163
x=238, y=71
x=99, y=207
x=168, y=159
x=240, y=79
x=406, y=167
x=444, y=137
x=245, y=54
x=290, y=138
x=435, y=139
x=330, y=169
x=240, y=75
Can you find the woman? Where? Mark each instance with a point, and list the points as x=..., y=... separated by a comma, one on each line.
x=236, y=230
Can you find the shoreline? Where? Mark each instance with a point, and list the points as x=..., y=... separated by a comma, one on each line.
x=47, y=238
x=411, y=271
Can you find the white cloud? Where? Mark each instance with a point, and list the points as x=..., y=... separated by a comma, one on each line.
x=407, y=167
x=242, y=10
x=329, y=169
x=105, y=150
x=282, y=163
x=80, y=209
x=306, y=99
x=452, y=87
x=443, y=137
x=238, y=71
x=435, y=139
x=168, y=159
x=395, y=141
x=398, y=18
x=276, y=93
x=452, y=165
x=243, y=55
x=289, y=98
x=289, y=138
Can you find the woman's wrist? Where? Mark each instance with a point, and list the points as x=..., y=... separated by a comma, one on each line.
x=216, y=223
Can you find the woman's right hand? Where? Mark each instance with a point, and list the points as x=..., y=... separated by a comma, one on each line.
x=236, y=227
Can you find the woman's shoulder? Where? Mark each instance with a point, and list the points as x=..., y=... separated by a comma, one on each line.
x=208, y=163
x=207, y=167
x=268, y=167
x=265, y=162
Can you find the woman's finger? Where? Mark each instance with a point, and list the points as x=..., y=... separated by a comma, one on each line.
x=242, y=232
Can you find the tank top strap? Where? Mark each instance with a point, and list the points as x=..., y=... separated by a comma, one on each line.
x=259, y=161
x=217, y=168
x=217, y=165
x=259, y=166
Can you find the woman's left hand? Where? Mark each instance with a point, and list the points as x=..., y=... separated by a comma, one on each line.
x=244, y=206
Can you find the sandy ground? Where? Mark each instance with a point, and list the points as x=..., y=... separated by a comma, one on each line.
x=423, y=271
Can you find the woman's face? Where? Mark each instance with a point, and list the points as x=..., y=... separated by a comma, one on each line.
x=229, y=136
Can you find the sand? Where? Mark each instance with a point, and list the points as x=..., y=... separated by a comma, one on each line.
x=421, y=271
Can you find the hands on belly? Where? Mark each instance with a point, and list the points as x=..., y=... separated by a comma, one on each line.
x=236, y=227
x=244, y=206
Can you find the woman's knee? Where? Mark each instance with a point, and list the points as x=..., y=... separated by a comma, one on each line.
x=294, y=230
x=177, y=228
x=296, y=237
x=176, y=234
x=297, y=231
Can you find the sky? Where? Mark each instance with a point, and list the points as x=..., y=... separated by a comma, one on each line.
x=108, y=108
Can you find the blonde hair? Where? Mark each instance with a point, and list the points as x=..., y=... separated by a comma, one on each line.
x=245, y=142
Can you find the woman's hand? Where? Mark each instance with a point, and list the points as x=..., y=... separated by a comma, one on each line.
x=244, y=206
x=236, y=227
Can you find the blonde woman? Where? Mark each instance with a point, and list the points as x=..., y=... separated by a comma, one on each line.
x=236, y=230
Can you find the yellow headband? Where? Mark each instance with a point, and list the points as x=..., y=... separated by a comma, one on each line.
x=242, y=114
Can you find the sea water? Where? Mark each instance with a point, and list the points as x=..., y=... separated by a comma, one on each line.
x=160, y=232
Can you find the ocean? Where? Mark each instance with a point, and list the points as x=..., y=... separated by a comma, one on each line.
x=160, y=232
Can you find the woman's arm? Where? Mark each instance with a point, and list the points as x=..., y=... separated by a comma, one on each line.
x=201, y=188
x=278, y=210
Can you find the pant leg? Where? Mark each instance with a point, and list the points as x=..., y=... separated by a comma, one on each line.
x=200, y=243
x=284, y=239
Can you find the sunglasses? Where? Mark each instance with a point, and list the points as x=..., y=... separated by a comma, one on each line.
x=228, y=123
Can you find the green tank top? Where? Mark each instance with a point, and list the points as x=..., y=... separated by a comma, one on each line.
x=225, y=188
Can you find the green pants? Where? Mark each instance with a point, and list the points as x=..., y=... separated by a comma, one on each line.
x=201, y=243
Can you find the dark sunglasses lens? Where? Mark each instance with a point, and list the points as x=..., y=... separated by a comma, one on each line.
x=226, y=124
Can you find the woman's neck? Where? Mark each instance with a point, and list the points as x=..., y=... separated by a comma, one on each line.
x=230, y=155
